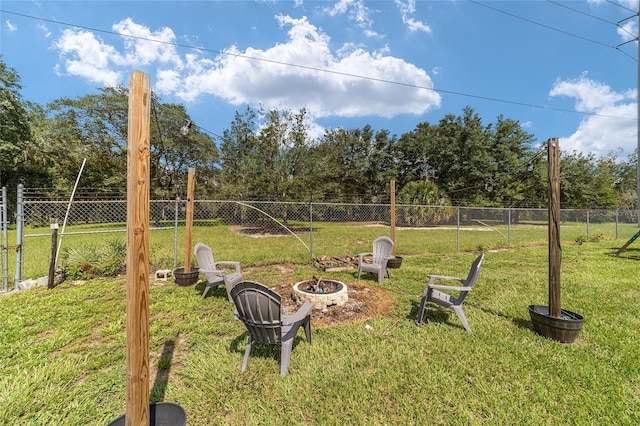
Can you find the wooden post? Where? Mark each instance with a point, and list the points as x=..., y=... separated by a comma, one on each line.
x=393, y=215
x=54, y=253
x=189, y=219
x=555, y=251
x=138, y=175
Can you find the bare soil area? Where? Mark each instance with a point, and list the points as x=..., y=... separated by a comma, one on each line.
x=365, y=302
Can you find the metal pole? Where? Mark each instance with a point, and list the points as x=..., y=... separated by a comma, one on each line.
x=175, y=232
x=587, y=224
x=5, y=242
x=66, y=216
x=311, y=226
x=509, y=229
x=458, y=229
x=19, y=225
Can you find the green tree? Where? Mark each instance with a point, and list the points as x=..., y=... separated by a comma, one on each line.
x=587, y=181
x=431, y=204
x=473, y=164
x=15, y=130
x=95, y=128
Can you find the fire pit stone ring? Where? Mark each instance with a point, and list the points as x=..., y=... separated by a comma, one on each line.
x=322, y=293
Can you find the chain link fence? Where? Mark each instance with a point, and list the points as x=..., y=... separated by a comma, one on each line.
x=315, y=228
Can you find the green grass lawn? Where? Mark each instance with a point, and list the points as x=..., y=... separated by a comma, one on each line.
x=62, y=351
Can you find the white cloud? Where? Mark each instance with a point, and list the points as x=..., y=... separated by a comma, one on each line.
x=44, y=29
x=628, y=31
x=303, y=71
x=407, y=10
x=10, y=26
x=85, y=56
x=143, y=46
x=611, y=124
x=357, y=12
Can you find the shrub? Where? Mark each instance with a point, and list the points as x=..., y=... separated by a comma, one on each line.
x=88, y=261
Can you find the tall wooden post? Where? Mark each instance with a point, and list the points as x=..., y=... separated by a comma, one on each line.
x=189, y=219
x=54, y=253
x=138, y=175
x=393, y=215
x=555, y=251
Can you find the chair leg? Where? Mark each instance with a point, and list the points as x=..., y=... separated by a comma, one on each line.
x=463, y=318
x=206, y=290
x=247, y=351
x=307, y=329
x=285, y=357
x=423, y=302
x=359, y=272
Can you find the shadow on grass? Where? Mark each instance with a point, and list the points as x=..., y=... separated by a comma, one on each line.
x=164, y=368
x=439, y=314
x=432, y=313
x=263, y=350
x=219, y=291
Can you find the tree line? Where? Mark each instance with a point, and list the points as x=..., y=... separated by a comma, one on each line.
x=268, y=154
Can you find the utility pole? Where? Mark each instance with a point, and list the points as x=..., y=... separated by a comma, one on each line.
x=637, y=40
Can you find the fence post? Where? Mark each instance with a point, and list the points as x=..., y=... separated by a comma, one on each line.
x=175, y=232
x=19, y=226
x=587, y=224
x=311, y=226
x=5, y=243
x=509, y=227
x=54, y=253
x=458, y=229
x=617, y=210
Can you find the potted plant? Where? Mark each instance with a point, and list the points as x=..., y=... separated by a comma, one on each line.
x=188, y=275
x=551, y=321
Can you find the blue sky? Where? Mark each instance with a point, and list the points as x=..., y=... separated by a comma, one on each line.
x=564, y=69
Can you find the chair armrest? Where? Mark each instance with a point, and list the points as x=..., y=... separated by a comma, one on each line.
x=433, y=278
x=361, y=255
x=213, y=271
x=228, y=263
x=304, y=311
x=449, y=287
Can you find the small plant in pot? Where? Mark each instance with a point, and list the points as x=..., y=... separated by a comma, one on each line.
x=551, y=321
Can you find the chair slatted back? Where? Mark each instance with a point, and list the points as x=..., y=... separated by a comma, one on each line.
x=204, y=256
x=259, y=309
x=474, y=274
x=382, y=248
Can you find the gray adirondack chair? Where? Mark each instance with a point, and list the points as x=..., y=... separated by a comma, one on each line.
x=382, y=248
x=214, y=275
x=259, y=308
x=442, y=294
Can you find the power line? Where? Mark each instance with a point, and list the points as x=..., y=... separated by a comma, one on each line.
x=549, y=27
x=341, y=73
x=582, y=12
x=615, y=24
x=621, y=6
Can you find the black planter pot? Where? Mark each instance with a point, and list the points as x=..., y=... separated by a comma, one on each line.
x=161, y=414
x=394, y=263
x=564, y=329
x=186, y=278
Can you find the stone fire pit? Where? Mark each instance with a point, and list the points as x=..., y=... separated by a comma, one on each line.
x=321, y=292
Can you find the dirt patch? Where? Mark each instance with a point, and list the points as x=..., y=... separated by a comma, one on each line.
x=365, y=302
x=268, y=230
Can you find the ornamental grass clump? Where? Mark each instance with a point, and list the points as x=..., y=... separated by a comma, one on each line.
x=88, y=261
